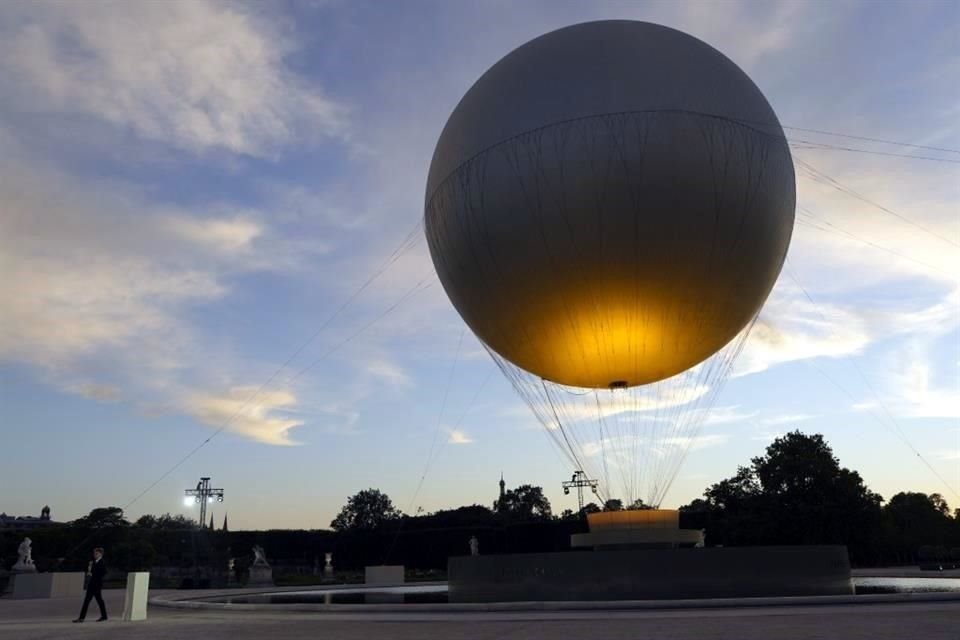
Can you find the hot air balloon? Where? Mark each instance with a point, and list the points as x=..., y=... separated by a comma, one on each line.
x=608, y=208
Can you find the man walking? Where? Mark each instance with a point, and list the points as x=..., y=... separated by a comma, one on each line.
x=96, y=570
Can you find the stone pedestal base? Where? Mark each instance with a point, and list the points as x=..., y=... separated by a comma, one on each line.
x=650, y=574
x=21, y=567
x=47, y=585
x=383, y=574
x=260, y=577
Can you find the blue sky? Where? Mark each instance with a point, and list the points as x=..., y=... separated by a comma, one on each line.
x=190, y=189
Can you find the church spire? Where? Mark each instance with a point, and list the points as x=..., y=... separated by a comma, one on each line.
x=224, y=523
x=503, y=486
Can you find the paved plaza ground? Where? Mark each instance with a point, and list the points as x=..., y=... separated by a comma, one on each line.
x=50, y=619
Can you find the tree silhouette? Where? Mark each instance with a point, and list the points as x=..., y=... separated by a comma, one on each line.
x=915, y=520
x=613, y=504
x=102, y=518
x=366, y=510
x=526, y=502
x=796, y=493
x=166, y=521
x=590, y=507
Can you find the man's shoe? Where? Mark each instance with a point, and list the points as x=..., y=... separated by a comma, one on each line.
x=101, y=618
x=79, y=620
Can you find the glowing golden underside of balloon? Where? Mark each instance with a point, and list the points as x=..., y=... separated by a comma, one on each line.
x=634, y=519
x=593, y=346
x=595, y=334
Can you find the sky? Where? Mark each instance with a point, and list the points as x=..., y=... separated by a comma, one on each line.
x=197, y=201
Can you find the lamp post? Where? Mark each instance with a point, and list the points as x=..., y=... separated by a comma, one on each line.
x=203, y=494
x=579, y=480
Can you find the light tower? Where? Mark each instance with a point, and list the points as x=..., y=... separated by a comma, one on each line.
x=579, y=480
x=203, y=494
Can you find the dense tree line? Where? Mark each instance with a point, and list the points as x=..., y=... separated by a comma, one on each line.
x=795, y=493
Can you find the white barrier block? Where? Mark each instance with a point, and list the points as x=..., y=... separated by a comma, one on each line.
x=135, y=604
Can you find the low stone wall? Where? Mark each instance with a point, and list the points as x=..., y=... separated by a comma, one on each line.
x=47, y=585
x=647, y=574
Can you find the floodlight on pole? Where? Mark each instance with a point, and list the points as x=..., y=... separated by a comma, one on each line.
x=579, y=480
x=203, y=495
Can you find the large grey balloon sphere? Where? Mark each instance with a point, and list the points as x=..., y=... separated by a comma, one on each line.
x=610, y=204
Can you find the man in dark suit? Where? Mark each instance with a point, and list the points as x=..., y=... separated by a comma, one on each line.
x=96, y=570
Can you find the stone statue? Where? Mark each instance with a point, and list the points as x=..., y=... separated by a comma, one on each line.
x=259, y=557
x=474, y=546
x=328, y=565
x=24, y=558
x=261, y=574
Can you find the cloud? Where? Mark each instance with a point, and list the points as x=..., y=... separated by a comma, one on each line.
x=98, y=392
x=579, y=407
x=915, y=394
x=200, y=75
x=695, y=443
x=243, y=411
x=726, y=415
x=787, y=418
x=458, y=437
x=791, y=328
x=99, y=282
x=226, y=236
x=86, y=267
x=774, y=27
x=389, y=372
x=625, y=449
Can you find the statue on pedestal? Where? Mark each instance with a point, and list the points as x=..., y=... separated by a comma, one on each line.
x=474, y=546
x=261, y=574
x=328, y=565
x=24, y=558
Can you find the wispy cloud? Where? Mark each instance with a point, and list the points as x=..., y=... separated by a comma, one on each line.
x=790, y=328
x=456, y=436
x=252, y=419
x=98, y=392
x=625, y=449
x=698, y=442
x=197, y=75
x=388, y=371
x=787, y=418
x=99, y=283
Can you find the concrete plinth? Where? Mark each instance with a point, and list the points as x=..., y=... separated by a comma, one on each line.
x=138, y=589
x=383, y=574
x=47, y=585
x=260, y=576
x=650, y=574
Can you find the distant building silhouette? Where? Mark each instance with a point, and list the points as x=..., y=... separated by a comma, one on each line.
x=503, y=492
x=28, y=522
